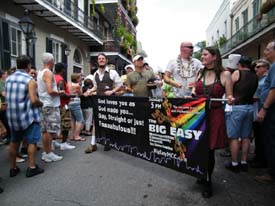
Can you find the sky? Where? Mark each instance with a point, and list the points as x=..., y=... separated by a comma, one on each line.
x=164, y=24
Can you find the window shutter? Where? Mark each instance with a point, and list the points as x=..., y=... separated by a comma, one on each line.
x=64, y=59
x=49, y=45
x=6, y=46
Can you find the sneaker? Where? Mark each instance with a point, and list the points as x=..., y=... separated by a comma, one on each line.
x=19, y=160
x=56, y=144
x=243, y=167
x=66, y=146
x=24, y=152
x=43, y=155
x=90, y=149
x=14, y=171
x=51, y=157
x=232, y=168
x=34, y=171
x=266, y=179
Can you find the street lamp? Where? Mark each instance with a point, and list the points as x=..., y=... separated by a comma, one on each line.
x=27, y=26
x=67, y=50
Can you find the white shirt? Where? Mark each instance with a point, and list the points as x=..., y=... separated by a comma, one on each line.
x=113, y=76
x=186, y=82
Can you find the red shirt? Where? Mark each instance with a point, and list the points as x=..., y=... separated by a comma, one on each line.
x=58, y=79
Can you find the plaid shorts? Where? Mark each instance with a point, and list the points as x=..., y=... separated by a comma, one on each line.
x=65, y=119
x=50, y=120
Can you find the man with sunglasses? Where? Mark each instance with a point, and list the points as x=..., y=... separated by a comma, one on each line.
x=183, y=70
x=267, y=115
x=138, y=81
x=259, y=160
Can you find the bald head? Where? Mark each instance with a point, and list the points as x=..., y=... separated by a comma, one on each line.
x=186, y=49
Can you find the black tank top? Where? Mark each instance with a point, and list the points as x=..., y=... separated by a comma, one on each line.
x=245, y=87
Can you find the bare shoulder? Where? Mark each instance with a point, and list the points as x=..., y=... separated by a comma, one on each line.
x=225, y=74
x=225, y=77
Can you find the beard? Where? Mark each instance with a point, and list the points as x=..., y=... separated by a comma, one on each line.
x=102, y=66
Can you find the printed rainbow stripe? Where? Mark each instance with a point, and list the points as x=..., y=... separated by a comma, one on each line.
x=190, y=120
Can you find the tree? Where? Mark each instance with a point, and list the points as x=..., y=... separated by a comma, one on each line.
x=199, y=46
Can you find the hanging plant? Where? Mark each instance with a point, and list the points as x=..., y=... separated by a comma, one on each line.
x=93, y=8
x=102, y=8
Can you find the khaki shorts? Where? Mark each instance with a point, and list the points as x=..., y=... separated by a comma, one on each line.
x=50, y=120
x=65, y=119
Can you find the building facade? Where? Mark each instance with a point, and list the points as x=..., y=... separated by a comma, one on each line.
x=73, y=30
x=248, y=35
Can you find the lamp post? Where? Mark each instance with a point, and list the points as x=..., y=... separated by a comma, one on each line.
x=27, y=26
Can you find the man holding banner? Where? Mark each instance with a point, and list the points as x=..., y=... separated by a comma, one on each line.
x=106, y=83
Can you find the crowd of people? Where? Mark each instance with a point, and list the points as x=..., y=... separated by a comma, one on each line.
x=55, y=111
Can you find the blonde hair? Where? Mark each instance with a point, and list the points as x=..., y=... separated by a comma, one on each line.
x=75, y=77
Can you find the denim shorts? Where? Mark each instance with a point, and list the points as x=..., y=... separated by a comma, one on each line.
x=239, y=121
x=76, y=112
x=32, y=134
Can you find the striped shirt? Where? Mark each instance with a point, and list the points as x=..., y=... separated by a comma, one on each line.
x=20, y=113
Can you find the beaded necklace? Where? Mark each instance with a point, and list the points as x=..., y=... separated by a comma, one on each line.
x=186, y=72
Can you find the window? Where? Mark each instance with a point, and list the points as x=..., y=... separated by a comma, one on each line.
x=245, y=20
x=256, y=5
x=218, y=34
x=106, y=30
x=77, y=57
x=16, y=42
x=56, y=51
x=237, y=24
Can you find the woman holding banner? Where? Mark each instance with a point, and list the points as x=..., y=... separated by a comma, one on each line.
x=213, y=81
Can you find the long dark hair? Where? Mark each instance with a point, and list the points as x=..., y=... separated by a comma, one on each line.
x=218, y=68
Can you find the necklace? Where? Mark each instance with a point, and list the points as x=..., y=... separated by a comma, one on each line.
x=207, y=92
x=186, y=72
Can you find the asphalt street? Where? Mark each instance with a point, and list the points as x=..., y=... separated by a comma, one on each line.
x=117, y=179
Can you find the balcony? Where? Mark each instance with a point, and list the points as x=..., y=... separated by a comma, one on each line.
x=249, y=30
x=115, y=8
x=66, y=15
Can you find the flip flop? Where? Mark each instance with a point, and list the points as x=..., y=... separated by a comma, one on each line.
x=79, y=139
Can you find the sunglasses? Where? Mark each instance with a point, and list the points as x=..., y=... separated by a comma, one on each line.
x=190, y=47
x=259, y=66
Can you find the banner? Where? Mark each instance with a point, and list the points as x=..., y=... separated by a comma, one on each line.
x=169, y=132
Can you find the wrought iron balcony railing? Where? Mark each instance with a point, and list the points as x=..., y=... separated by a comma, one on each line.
x=72, y=11
x=247, y=31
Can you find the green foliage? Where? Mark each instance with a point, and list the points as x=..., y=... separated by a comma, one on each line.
x=127, y=40
x=135, y=21
x=102, y=8
x=93, y=7
x=200, y=45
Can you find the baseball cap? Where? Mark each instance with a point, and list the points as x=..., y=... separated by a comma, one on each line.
x=137, y=57
x=233, y=60
x=129, y=65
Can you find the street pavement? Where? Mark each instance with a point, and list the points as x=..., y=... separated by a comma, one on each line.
x=117, y=179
